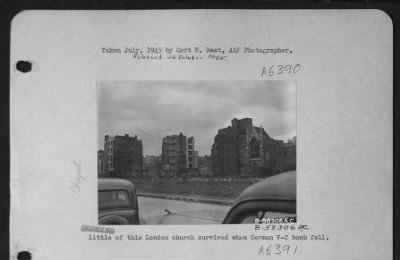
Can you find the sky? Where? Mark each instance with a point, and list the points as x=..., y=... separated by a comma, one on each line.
x=154, y=109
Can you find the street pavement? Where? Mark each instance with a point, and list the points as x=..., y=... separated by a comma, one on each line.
x=152, y=210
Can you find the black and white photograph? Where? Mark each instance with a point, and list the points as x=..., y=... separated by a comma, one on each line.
x=201, y=134
x=196, y=152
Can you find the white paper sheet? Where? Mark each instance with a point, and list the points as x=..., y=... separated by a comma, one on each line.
x=344, y=125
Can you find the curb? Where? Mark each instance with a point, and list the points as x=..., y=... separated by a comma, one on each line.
x=191, y=199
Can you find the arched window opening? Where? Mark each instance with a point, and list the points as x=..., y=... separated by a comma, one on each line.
x=254, y=148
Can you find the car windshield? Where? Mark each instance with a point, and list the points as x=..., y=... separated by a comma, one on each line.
x=114, y=199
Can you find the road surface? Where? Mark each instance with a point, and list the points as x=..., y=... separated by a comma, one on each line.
x=152, y=210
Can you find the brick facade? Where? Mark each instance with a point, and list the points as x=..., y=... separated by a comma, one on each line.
x=123, y=156
x=179, y=157
x=173, y=155
x=245, y=150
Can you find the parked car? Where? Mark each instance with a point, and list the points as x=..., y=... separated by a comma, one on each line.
x=118, y=204
x=271, y=198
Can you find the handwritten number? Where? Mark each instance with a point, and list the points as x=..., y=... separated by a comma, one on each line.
x=282, y=69
x=288, y=68
x=268, y=251
x=278, y=249
x=271, y=71
x=295, y=250
x=296, y=68
x=285, y=248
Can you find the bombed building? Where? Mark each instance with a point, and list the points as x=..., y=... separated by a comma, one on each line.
x=123, y=156
x=179, y=157
x=242, y=150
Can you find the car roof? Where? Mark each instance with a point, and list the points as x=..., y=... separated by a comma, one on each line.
x=278, y=187
x=114, y=184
